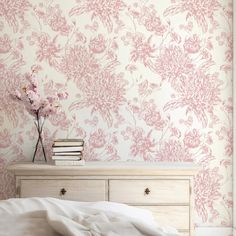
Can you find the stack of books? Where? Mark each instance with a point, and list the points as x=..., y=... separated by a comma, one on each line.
x=68, y=152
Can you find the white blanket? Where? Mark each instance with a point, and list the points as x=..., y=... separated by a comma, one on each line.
x=54, y=217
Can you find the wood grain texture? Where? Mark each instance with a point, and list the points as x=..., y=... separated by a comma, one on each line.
x=161, y=191
x=79, y=190
x=174, y=216
x=106, y=168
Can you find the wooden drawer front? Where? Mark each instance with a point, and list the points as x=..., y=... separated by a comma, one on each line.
x=184, y=234
x=174, y=216
x=161, y=191
x=81, y=190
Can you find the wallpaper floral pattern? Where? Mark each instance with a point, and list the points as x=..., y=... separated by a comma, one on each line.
x=147, y=81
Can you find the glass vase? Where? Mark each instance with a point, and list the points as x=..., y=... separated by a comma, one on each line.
x=39, y=122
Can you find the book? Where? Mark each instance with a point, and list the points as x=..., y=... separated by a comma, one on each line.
x=67, y=158
x=79, y=153
x=67, y=149
x=70, y=163
x=68, y=142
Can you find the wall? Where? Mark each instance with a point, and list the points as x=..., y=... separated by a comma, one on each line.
x=234, y=120
x=147, y=81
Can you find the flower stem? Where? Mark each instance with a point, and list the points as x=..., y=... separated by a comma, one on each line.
x=40, y=139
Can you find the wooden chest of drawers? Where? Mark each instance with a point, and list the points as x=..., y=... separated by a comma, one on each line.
x=164, y=189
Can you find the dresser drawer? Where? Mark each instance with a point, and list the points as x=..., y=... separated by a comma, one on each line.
x=149, y=191
x=184, y=234
x=81, y=190
x=174, y=216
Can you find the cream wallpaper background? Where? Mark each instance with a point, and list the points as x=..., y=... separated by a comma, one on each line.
x=146, y=81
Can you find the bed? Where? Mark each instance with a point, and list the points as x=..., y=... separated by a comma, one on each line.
x=152, y=199
x=54, y=217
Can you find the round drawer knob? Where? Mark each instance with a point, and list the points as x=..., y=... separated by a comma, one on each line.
x=147, y=191
x=63, y=191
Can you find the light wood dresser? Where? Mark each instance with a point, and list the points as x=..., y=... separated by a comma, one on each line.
x=165, y=189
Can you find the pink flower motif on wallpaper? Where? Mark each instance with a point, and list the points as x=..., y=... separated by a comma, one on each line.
x=77, y=63
x=127, y=64
x=172, y=63
x=5, y=139
x=146, y=88
x=226, y=39
x=52, y=15
x=97, y=44
x=103, y=92
x=192, y=44
x=9, y=80
x=100, y=146
x=105, y=10
x=200, y=10
x=13, y=11
x=226, y=134
x=60, y=120
x=148, y=17
x=173, y=150
x=207, y=191
x=149, y=113
x=142, y=51
x=192, y=139
x=5, y=44
x=199, y=93
x=48, y=50
x=97, y=139
x=143, y=145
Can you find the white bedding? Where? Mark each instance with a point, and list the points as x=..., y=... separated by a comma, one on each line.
x=54, y=217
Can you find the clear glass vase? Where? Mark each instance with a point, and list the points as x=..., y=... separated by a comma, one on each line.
x=39, y=122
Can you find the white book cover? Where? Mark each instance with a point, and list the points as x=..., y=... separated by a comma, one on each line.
x=67, y=153
x=68, y=142
x=67, y=149
x=67, y=158
x=70, y=163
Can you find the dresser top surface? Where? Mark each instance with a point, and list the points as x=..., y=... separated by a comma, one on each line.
x=105, y=168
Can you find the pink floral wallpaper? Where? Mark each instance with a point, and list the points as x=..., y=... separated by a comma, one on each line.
x=146, y=81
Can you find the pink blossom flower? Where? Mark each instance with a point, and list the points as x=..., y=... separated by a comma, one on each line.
x=97, y=45
x=192, y=139
x=17, y=94
x=5, y=44
x=192, y=44
x=30, y=96
x=62, y=95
